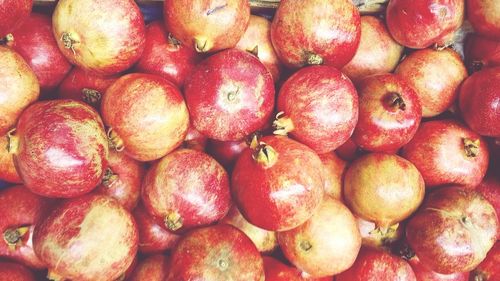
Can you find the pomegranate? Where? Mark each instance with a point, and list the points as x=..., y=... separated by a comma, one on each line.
x=186, y=189
x=166, y=56
x=453, y=230
x=446, y=152
x=153, y=238
x=91, y=237
x=195, y=140
x=102, y=36
x=389, y=113
x=435, y=76
x=278, y=271
x=349, y=150
x=425, y=274
x=222, y=253
x=318, y=106
x=324, y=32
x=377, y=51
x=207, y=25
x=226, y=152
x=152, y=268
x=375, y=238
x=488, y=270
x=264, y=240
x=481, y=52
x=390, y=197
x=147, y=116
x=8, y=171
x=257, y=40
x=19, y=88
x=484, y=17
x=15, y=272
x=333, y=167
x=490, y=189
x=122, y=179
x=479, y=102
x=277, y=183
x=34, y=41
x=13, y=14
x=229, y=95
x=420, y=24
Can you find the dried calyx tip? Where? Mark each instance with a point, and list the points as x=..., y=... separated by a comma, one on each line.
x=91, y=96
x=265, y=155
x=115, y=141
x=13, y=141
x=395, y=100
x=109, y=177
x=173, y=221
x=201, y=45
x=313, y=59
x=254, y=51
x=471, y=147
x=282, y=125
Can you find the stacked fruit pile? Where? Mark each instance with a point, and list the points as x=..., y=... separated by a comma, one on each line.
x=218, y=145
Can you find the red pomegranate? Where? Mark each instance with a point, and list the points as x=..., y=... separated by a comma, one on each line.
x=229, y=95
x=35, y=42
x=490, y=189
x=20, y=211
x=186, y=189
x=102, y=36
x=447, y=152
x=12, y=15
x=389, y=113
x=207, y=25
x=435, y=76
x=19, y=88
x=122, y=179
x=349, y=150
x=318, y=106
x=299, y=40
x=484, y=17
x=481, y=52
x=423, y=23
x=8, y=171
x=425, y=274
x=453, y=230
x=153, y=268
x=166, y=56
x=147, y=116
x=333, y=167
x=60, y=148
x=377, y=51
x=277, y=271
x=374, y=237
x=226, y=152
x=194, y=140
x=15, y=272
x=488, y=270
x=277, y=183
x=222, y=253
x=91, y=237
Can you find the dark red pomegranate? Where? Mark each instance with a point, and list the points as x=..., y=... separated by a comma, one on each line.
x=60, y=148
x=389, y=113
x=102, y=36
x=423, y=23
x=299, y=40
x=423, y=273
x=229, y=95
x=278, y=183
x=277, y=271
x=222, y=253
x=333, y=167
x=166, y=56
x=207, y=25
x=484, y=17
x=226, y=152
x=146, y=114
x=10, y=271
x=481, y=52
x=153, y=268
x=349, y=150
x=490, y=189
x=12, y=15
x=8, y=171
x=186, y=189
x=318, y=106
x=195, y=140
x=488, y=270
x=91, y=237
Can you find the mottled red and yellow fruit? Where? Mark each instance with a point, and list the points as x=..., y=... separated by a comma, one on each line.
x=333, y=167
x=481, y=52
x=435, y=76
x=447, y=152
x=383, y=188
x=91, y=237
x=453, y=230
x=12, y=15
x=186, y=189
x=147, y=116
x=319, y=108
x=207, y=25
x=324, y=32
x=105, y=47
x=377, y=51
x=230, y=95
x=424, y=23
x=8, y=171
x=153, y=268
x=19, y=88
x=423, y=273
x=15, y=272
x=331, y=234
x=60, y=148
x=488, y=270
x=490, y=189
x=278, y=183
x=484, y=15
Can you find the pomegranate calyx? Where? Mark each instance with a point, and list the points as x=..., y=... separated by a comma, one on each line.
x=265, y=155
x=404, y=251
x=7, y=40
x=476, y=66
x=253, y=140
x=115, y=141
x=69, y=42
x=13, y=236
x=282, y=125
x=13, y=143
x=471, y=147
x=91, y=96
x=479, y=276
x=173, y=221
x=313, y=59
x=223, y=264
x=395, y=100
x=305, y=246
x=172, y=40
x=370, y=6
x=109, y=177
x=51, y=275
x=201, y=45
x=254, y=51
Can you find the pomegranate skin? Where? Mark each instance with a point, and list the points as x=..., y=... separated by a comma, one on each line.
x=10, y=271
x=19, y=88
x=334, y=168
x=220, y=252
x=165, y=56
x=8, y=171
x=282, y=191
x=425, y=274
x=389, y=113
x=147, y=114
x=377, y=51
x=12, y=14
x=207, y=25
x=490, y=189
x=481, y=52
x=229, y=95
x=34, y=41
x=152, y=268
x=20, y=211
x=479, y=102
x=299, y=40
x=484, y=17
x=277, y=271
x=226, y=152
x=91, y=237
x=60, y=149
x=105, y=47
x=330, y=95
x=420, y=24
x=171, y=184
x=488, y=269
x=446, y=152
x=195, y=140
